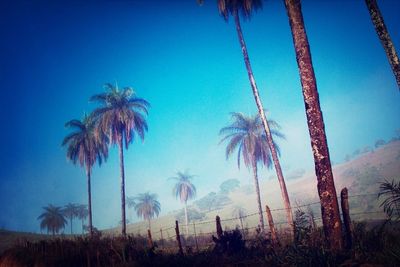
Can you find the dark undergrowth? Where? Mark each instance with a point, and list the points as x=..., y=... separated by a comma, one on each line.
x=378, y=246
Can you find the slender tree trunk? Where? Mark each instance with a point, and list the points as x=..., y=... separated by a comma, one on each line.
x=274, y=154
x=384, y=36
x=260, y=213
x=121, y=165
x=149, y=224
x=89, y=202
x=326, y=186
x=82, y=226
x=70, y=220
x=186, y=220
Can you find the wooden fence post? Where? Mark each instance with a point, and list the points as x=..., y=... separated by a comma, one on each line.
x=219, y=227
x=274, y=236
x=344, y=201
x=150, y=240
x=162, y=239
x=178, y=237
x=195, y=236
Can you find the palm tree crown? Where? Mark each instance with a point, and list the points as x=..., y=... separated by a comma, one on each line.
x=231, y=7
x=246, y=135
x=120, y=114
x=184, y=188
x=147, y=206
x=84, y=144
x=52, y=218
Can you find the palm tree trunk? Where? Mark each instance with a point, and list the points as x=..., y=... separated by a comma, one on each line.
x=260, y=213
x=149, y=224
x=121, y=165
x=88, y=172
x=82, y=226
x=326, y=186
x=186, y=220
x=274, y=154
x=70, y=220
x=384, y=36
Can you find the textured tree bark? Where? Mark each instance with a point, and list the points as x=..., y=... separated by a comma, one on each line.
x=88, y=173
x=186, y=220
x=257, y=187
x=274, y=236
x=274, y=154
x=384, y=36
x=121, y=165
x=344, y=202
x=326, y=187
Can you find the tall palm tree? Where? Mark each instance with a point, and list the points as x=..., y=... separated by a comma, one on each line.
x=326, y=185
x=86, y=147
x=384, y=36
x=246, y=8
x=53, y=219
x=147, y=206
x=70, y=211
x=82, y=213
x=120, y=116
x=185, y=190
x=246, y=135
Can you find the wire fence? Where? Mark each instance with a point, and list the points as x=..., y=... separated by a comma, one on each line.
x=199, y=233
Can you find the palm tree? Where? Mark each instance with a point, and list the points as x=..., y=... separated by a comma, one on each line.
x=120, y=117
x=86, y=147
x=70, y=211
x=185, y=190
x=53, y=219
x=82, y=213
x=147, y=206
x=326, y=185
x=391, y=203
x=246, y=135
x=246, y=8
x=384, y=36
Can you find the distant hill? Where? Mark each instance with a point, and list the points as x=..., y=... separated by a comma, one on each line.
x=361, y=175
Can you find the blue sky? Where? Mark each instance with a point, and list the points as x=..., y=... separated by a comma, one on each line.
x=186, y=61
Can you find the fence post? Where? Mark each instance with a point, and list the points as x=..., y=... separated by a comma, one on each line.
x=178, y=238
x=274, y=236
x=150, y=240
x=219, y=228
x=162, y=239
x=344, y=201
x=195, y=236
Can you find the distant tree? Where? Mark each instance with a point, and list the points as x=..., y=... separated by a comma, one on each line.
x=245, y=134
x=240, y=213
x=347, y=158
x=82, y=214
x=212, y=201
x=356, y=152
x=52, y=219
x=229, y=185
x=366, y=149
x=120, y=116
x=379, y=142
x=70, y=211
x=185, y=190
x=192, y=213
x=390, y=191
x=130, y=202
x=86, y=147
x=147, y=206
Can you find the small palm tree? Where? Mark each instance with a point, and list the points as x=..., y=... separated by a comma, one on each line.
x=82, y=214
x=70, y=211
x=391, y=203
x=240, y=213
x=246, y=136
x=86, y=147
x=147, y=206
x=53, y=219
x=120, y=116
x=185, y=190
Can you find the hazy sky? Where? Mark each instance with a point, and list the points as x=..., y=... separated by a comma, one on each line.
x=186, y=61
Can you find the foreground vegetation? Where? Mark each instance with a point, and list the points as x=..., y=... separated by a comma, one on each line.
x=378, y=245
